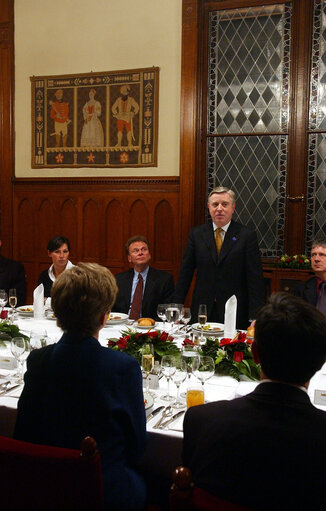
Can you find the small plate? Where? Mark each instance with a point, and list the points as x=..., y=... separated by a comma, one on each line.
x=214, y=329
x=25, y=310
x=116, y=318
x=148, y=402
x=144, y=327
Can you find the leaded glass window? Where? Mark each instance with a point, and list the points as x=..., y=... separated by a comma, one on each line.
x=248, y=114
x=316, y=174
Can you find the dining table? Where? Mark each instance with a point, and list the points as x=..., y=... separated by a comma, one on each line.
x=164, y=448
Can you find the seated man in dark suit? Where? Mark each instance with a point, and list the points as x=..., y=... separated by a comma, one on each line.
x=12, y=276
x=267, y=450
x=312, y=291
x=142, y=287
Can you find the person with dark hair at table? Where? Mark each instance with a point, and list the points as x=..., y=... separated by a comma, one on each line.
x=267, y=450
x=12, y=276
x=58, y=249
x=313, y=290
x=77, y=387
x=156, y=286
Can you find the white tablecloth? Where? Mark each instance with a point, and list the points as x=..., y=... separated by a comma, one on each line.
x=164, y=446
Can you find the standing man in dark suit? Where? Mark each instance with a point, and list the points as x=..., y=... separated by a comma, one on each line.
x=312, y=289
x=12, y=276
x=227, y=259
x=152, y=286
x=266, y=450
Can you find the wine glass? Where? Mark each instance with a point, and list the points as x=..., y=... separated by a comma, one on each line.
x=202, y=318
x=206, y=369
x=12, y=301
x=178, y=378
x=168, y=366
x=192, y=359
x=147, y=362
x=3, y=299
x=38, y=339
x=18, y=347
x=172, y=314
x=161, y=308
x=185, y=315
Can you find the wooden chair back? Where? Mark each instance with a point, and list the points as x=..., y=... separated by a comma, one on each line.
x=185, y=496
x=37, y=477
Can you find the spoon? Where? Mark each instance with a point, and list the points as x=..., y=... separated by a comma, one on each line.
x=167, y=412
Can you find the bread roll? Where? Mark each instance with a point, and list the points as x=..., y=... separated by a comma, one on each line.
x=146, y=322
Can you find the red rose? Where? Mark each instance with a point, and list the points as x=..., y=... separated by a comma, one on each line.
x=111, y=343
x=152, y=334
x=122, y=343
x=188, y=342
x=225, y=341
x=237, y=356
x=164, y=336
x=250, y=341
x=242, y=337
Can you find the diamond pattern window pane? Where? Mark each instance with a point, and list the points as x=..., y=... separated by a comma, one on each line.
x=317, y=114
x=316, y=189
x=254, y=167
x=248, y=76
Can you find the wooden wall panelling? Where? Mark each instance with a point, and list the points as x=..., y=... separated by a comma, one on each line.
x=114, y=234
x=68, y=217
x=6, y=122
x=91, y=227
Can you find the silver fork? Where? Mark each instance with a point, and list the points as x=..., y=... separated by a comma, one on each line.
x=167, y=412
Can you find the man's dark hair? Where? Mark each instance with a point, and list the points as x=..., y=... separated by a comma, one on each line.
x=290, y=335
x=134, y=239
x=56, y=243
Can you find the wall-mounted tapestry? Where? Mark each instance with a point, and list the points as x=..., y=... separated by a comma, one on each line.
x=105, y=119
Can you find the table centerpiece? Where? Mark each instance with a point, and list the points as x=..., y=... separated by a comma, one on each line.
x=131, y=342
x=9, y=330
x=233, y=357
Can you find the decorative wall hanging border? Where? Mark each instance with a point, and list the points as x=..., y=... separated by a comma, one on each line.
x=107, y=119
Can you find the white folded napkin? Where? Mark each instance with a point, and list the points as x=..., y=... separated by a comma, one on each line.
x=230, y=316
x=38, y=301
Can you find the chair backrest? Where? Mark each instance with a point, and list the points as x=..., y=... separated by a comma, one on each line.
x=37, y=477
x=185, y=496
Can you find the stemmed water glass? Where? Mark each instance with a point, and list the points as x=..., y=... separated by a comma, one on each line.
x=192, y=359
x=173, y=312
x=168, y=367
x=18, y=347
x=3, y=299
x=205, y=370
x=38, y=339
x=12, y=301
x=147, y=362
x=202, y=318
x=161, y=308
x=178, y=378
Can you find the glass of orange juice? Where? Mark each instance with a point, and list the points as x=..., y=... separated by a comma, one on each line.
x=195, y=395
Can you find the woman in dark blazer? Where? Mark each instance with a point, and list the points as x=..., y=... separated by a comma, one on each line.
x=77, y=387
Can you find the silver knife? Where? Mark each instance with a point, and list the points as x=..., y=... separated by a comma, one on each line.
x=173, y=418
x=154, y=412
x=9, y=389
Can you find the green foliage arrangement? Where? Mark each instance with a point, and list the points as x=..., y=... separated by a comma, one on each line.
x=298, y=261
x=131, y=342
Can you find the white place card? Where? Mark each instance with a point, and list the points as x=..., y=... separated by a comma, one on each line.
x=7, y=362
x=320, y=397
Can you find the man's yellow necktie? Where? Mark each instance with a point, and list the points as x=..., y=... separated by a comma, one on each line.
x=218, y=239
